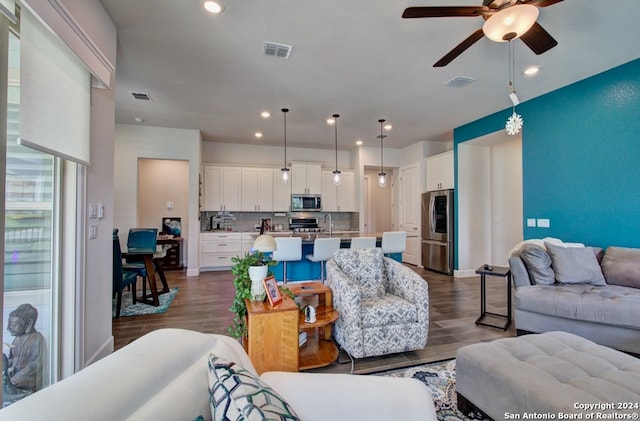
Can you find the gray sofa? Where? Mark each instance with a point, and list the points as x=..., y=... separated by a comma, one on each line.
x=582, y=290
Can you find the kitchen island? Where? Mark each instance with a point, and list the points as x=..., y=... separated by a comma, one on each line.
x=305, y=270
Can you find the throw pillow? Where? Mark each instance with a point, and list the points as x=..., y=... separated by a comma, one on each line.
x=575, y=265
x=621, y=266
x=365, y=268
x=538, y=264
x=237, y=394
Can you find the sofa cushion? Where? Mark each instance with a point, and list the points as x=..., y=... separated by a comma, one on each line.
x=237, y=394
x=365, y=268
x=621, y=266
x=538, y=264
x=611, y=305
x=575, y=265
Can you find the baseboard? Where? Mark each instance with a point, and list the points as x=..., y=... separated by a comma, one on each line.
x=103, y=351
x=464, y=273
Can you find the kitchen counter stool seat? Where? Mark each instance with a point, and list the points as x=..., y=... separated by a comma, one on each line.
x=323, y=250
x=289, y=250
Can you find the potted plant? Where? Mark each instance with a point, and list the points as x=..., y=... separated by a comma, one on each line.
x=242, y=282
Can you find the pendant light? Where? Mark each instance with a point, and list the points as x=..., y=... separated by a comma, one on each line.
x=382, y=177
x=514, y=122
x=284, y=170
x=336, y=172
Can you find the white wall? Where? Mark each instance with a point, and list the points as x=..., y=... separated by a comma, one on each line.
x=134, y=142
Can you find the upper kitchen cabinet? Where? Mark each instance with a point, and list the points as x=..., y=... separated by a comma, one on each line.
x=256, y=189
x=306, y=178
x=340, y=198
x=281, y=193
x=221, y=188
x=440, y=174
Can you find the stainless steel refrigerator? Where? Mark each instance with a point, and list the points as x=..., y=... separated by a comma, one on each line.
x=437, y=231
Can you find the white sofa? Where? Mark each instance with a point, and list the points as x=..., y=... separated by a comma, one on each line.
x=164, y=376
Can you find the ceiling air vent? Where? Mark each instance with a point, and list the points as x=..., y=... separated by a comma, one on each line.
x=276, y=50
x=459, y=81
x=141, y=96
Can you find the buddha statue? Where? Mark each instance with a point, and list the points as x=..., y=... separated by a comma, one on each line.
x=23, y=367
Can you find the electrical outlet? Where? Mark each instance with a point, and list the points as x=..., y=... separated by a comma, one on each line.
x=531, y=222
x=543, y=223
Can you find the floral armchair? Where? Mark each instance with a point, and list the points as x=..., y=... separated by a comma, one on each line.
x=383, y=306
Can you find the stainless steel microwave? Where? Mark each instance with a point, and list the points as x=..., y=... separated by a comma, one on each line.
x=306, y=202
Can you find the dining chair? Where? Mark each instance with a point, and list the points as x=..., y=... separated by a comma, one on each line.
x=145, y=238
x=121, y=278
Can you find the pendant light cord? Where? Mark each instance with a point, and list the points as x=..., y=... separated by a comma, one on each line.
x=335, y=118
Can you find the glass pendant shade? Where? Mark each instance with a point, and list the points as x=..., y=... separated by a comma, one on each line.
x=285, y=175
x=382, y=179
x=510, y=23
x=336, y=178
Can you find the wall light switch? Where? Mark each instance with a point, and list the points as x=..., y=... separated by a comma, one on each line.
x=93, y=211
x=543, y=223
x=100, y=207
x=531, y=222
x=169, y=205
x=93, y=232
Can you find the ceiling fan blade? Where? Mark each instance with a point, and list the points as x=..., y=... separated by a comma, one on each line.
x=460, y=48
x=544, y=3
x=538, y=39
x=443, y=11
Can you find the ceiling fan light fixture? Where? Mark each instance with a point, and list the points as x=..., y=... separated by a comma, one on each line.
x=214, y=7
x=510, y=23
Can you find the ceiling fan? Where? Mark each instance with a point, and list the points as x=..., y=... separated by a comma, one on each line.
x=504, y=20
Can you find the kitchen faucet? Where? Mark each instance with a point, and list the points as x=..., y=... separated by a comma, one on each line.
x=330, y=224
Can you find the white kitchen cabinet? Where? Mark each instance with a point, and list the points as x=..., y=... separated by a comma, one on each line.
x=439, y=173
x=217, y=249
x=256, y=191
x=221, y=188
x=340, y=198
x=247, y=242
x=281, y=193
x=306, y=178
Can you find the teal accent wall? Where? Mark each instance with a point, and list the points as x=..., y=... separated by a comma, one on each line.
x=581, y=158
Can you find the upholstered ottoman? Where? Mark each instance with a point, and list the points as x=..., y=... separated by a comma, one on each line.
x=550, y=374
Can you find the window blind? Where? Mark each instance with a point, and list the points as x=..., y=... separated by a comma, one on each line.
x=55, y=94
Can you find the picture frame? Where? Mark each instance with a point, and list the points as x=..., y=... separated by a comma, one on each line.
x=273, y=293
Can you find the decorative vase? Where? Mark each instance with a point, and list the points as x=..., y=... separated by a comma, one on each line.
x=257, y=274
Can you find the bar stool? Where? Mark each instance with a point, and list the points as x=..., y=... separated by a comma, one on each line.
x=323, y=250
x=394, y=242
x=363, y=242
x=289, y=250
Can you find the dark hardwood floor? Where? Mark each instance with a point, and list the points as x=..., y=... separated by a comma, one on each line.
x=202, y=304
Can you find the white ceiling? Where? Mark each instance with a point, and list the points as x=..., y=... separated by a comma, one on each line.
x=357, y=58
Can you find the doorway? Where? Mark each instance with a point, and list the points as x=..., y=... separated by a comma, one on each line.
x=490, y=220
x=377, y=215
x=163, y=192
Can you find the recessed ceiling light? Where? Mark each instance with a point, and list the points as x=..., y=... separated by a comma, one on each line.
x=388, y=127
x=359, y=142
x=213, y=6
x=139, y=119
x=258, y=135
x=265, y=114
x=330, y=121
x=531, y=70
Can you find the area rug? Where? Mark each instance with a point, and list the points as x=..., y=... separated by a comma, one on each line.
x=138, y=309
x=440, y=379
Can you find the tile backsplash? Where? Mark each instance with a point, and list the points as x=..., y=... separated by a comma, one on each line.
x=247, y=221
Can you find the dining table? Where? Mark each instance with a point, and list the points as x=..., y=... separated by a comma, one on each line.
x=149, y=257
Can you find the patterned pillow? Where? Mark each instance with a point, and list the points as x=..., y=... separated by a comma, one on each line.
x=236, y=394
x=365, y=268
